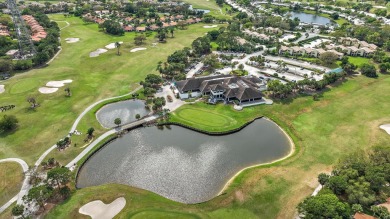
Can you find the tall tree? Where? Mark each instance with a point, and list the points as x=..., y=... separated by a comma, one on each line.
x=118, y=46
x=39, y=194
x=58, y=176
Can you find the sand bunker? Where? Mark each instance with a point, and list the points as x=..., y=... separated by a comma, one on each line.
x=2, y=89
x=137, y=49
x=58, y=83
x=99, y=210
x=386, y=127
x=97, y=52
x=52, y=86
x=47, y=90
x=212, y=26
x=72, y=40
x=112, y=45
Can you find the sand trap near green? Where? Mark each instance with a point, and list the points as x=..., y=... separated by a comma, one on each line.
x=2, y=88
x=58, y=83
x=385, y=127
x=98, y=210
x=47, y=90
x=72, y=40
x=97, y=52
x=137, y=49
x=208, y=26
x=112, y=45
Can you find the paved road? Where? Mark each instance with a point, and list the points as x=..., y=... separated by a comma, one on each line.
x=176, y=103
x=25, y=186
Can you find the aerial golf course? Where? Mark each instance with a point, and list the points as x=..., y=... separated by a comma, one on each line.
x=346, y=118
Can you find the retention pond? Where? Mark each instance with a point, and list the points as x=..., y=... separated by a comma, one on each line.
x=311, y=18
x=181, y=164
x=125, y=110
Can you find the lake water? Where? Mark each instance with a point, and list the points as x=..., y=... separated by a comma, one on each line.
x=310, y=18
x=181, y=164
x=205, y=11
x=125, y=110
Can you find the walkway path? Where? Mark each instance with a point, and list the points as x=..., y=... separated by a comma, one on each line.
x=72, y=164
x=25, y=186
x=77, y=121
x=55, y=56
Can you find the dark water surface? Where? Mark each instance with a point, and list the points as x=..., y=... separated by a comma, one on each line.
x=181, y=164
x=310, y=18
x=125, y=110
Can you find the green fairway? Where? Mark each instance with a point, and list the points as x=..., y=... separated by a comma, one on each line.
x=93, y=79
x=203, y=4
x=162, y=215
x=204, y=118
x=345, y=119
x=212, y=118
x=11, y=176
x=358, y=61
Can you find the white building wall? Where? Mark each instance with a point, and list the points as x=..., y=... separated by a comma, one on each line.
x=186, y=95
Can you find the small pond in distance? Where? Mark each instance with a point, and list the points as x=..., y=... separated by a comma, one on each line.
x=181, y=164
x=311, y=18
x=125, y=110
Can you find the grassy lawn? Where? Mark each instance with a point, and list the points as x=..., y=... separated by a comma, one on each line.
x=203, y=4
x=215, y=10
x=11, y=176
x=358, y=61
x=93, y=79
x=345, y=119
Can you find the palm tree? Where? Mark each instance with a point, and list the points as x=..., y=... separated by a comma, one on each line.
x=118, y=45
x=171, y=30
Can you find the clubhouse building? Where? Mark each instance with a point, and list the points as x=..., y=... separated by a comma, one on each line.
x=226, y=88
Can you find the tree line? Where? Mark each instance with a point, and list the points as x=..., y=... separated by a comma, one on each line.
x=358, y=183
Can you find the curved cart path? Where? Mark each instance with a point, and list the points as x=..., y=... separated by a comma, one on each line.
x=25, y=186
x=60, y=48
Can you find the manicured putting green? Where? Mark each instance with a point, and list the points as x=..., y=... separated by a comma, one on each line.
x=23, y=86
x=206, y=118
x=163, y=215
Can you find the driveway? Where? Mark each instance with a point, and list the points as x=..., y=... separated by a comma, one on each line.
x=176, y=103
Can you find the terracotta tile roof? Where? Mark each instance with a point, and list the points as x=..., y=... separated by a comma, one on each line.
x=363, y=216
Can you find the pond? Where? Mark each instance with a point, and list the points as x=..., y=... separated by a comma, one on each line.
x=205, y=11
x=311, y=18
x=125, y=110
x=181, y=164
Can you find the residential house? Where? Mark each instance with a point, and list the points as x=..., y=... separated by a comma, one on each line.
x=4, y=30
x=128, y=28
x=140, y=29
x=153, y=27
x=37, y=31
x=358, y=215
x=272, y=30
